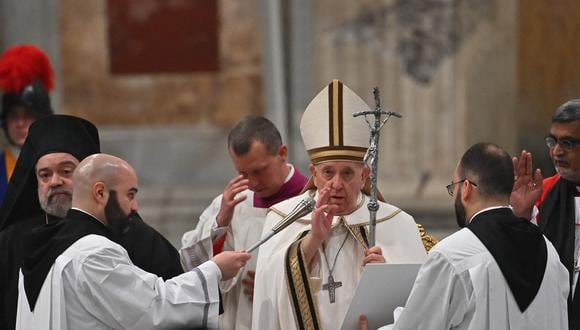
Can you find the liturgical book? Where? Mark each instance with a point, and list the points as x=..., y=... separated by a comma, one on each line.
x=381, y=289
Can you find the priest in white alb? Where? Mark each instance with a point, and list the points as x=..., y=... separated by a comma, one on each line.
x=499, y=271
x=76, y=277
x=307, y=274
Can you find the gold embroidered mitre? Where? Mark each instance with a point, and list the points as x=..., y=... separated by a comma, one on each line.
x=329, y=130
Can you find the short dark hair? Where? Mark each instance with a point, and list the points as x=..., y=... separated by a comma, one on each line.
x=254, y=128
x=567, y=112
x=490, y=167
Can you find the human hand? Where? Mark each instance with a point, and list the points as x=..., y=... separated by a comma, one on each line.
x=527, y=186
x=373, y=255
x=230, y=262
x=229, y=200
x=363, y=322
x=322, y=215
x=321, y=224
x=248, y=283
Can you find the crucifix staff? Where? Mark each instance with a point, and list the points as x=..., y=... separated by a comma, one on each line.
x=372, y=155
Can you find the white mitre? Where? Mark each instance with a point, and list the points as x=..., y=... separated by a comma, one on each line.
x=331, y=133
x=329, y=130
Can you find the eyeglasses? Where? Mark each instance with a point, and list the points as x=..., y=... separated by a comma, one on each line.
x=449, y=187
x=567, y=144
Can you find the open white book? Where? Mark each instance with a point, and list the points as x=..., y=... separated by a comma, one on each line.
x=381, y=289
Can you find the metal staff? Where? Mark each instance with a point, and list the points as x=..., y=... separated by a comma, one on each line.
x=304, y=207
x=372, y=156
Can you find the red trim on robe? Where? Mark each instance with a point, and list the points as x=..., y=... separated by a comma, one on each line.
x=547, y=185
x=218, y=244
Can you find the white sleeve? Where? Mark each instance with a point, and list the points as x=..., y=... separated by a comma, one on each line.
x=123, y=296
x=440, y=298
x=265, y=312
x=535, y=213
x=197, y=244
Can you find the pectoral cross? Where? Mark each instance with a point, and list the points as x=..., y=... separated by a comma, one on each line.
x=331, y=287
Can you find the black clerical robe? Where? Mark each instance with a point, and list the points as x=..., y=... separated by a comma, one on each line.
x=557, y=219
x=11, y=256
x=149, y=250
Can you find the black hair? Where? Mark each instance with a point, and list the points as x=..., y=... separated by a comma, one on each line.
x=567, y=112
x=254, y=128
x=490, y=168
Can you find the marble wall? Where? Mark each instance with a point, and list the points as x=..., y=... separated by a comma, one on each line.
x=221, y=97
x=447, y=66
x=548, y=70
x=459, y=71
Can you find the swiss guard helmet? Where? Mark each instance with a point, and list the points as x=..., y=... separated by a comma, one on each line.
x=26, y=77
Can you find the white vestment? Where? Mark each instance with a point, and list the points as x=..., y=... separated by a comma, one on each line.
x=94, y=285
x=396, y=234
x=461, y=286
x=244, y=230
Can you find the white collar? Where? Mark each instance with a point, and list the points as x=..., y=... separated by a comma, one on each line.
x=491, y=208
x=85, y=212
x=290, y=174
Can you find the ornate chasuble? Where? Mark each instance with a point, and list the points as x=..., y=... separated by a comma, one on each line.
x=304, y=302
x=318, y=298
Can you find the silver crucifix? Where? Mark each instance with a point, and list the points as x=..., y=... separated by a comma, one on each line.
x=331, y=287
x=372, y=155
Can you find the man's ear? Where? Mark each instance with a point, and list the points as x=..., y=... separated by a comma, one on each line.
x=283, y=152
x=466, y=191
x=365, y=172
x=312, y=169
x=100, y=193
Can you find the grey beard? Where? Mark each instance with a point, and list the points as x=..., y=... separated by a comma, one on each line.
x=57, y=206
x=569, y=175
x=58, y=210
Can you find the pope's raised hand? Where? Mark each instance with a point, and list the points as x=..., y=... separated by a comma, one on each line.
x=321, y=223
x=230, y=200
x=527, y=187
x=322, y=216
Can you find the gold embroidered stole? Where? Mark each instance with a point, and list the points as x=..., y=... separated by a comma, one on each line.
x=303, y=301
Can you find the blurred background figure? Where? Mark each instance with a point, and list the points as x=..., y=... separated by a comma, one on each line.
x=26, y=77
